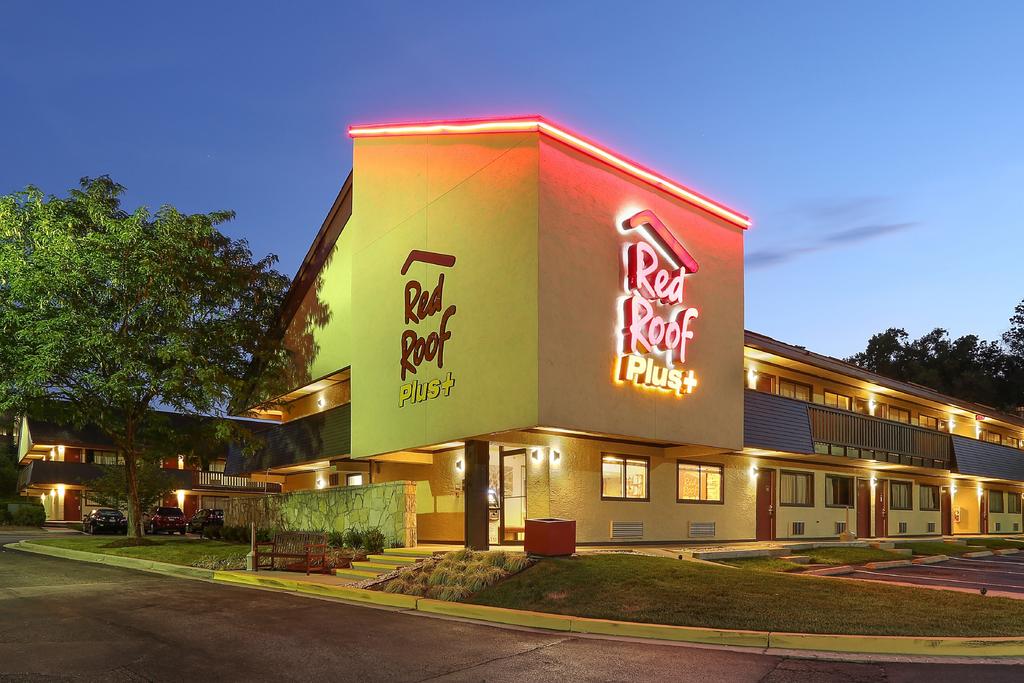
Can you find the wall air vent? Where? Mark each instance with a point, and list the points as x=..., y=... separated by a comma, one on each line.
x=931, y=527
x=702, y=530
x=798, y=529
x=626, y=530
x=903, y=527
x=840, y=527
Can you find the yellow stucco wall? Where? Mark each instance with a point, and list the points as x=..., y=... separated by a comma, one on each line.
x=439, y=499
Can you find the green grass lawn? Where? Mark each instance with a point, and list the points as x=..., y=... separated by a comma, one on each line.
x=185, y=551
x=996, y=543
x=665, y=591
x=828, y=556
x=940, y=548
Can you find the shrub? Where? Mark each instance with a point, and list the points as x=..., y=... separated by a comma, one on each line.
x=335, y=539
x=5, y=516
x=213, y=562
x=457, y=575
x=352, y=538
x=262, y=535
x=374, y=540
x=213, y=531
x=28, y=515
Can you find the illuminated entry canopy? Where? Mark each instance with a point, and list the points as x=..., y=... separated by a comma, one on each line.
x=650, y=288
x=538, y=124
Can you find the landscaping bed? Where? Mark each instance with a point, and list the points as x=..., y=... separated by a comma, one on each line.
x=832, y=557
x=666, y=591
x=457, y=575
x=996, y=543
x=942, y=548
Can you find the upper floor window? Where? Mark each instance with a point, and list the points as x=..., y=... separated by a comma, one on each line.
x=797, y=390
x=991, y=437
x=1011, y=441
x=927, y=421
x=995, y=501
x=834, y=400
x=624, y=478
x=901, y=495
x=862, y=406
x=898, y=414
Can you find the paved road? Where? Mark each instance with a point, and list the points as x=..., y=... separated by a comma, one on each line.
x=997, y=573
x=65, y=620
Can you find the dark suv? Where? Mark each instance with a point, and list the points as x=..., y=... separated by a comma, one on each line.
x=205, y=519
x=166, y=519
x=105, y=520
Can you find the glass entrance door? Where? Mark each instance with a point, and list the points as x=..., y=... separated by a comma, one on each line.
x=513, y=495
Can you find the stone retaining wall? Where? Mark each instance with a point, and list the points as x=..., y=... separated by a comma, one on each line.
x=389, y=505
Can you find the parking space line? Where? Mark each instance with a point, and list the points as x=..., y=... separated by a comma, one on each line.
x=990, y=584
x=969, y=569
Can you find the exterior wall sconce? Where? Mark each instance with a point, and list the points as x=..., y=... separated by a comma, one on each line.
x=535, y=455
x=753, y=471
x=556, y=457
x=952, y=489
x=871, y=406
x=320, y=402
x=53, y=493
x=981, y=491
x=320, y=483
x=60, y=489
x=60, y=452
x=752, y=378
x=459, y=465
x=181, y=498
x=874, y=481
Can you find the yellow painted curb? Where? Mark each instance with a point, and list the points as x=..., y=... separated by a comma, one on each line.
x=499, y=615
x=685, y=634
x=900, y=645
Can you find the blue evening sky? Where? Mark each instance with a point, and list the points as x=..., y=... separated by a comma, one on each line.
x=878, y=146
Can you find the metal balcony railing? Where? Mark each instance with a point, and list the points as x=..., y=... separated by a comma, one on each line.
x=842, y=428
x=219, y=480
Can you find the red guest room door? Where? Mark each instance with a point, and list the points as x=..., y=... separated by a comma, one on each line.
x=766, y=505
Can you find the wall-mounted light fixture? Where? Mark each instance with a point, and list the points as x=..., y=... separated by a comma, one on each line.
x=459, y=465
x=535, y=455
x=981, y=491
x=752, y=378
x=871, y=406
x=952, y=488
x=874, y=481
x=60, y=489
x=753, y=471
x=320, y=483
x=320, y=402
x=60, y=452
x=181, y=498
x=556, y=457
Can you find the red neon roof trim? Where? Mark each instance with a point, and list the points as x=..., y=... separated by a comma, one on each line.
x=537, y=124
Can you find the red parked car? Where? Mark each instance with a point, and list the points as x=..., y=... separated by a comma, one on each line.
x=166, y=519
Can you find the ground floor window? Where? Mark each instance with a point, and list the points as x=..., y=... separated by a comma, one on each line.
x=796, y=488
x=624, y=478
x=1013, y=503
x=901, y=495
x=929, y=497
x=698, y=483
x=838, y=491
x=995, y=501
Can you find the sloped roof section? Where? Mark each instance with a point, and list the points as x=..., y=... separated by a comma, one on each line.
x=776, y=423
x=984, y=459
x=317, y=437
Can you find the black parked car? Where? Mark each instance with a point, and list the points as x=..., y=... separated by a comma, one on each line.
x=103, y=520
x=166, y=519
x=204, y=519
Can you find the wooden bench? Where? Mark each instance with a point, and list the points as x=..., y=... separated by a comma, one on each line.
x=301, y=550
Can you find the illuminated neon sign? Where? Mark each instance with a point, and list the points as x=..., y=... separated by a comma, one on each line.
x=421, y=304
x=655, y=318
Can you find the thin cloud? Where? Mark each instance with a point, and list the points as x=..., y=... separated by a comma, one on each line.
x=766, y=258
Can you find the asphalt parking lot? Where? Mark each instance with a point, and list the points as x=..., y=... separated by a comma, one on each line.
x=997, y=574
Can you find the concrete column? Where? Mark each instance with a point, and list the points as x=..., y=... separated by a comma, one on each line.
x=477, y=455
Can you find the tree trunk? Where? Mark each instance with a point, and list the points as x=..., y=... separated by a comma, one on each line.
x=131, y=470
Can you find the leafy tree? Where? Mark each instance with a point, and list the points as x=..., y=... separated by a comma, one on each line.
x=152, y=483
x=112, y=312
x=990, y=373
